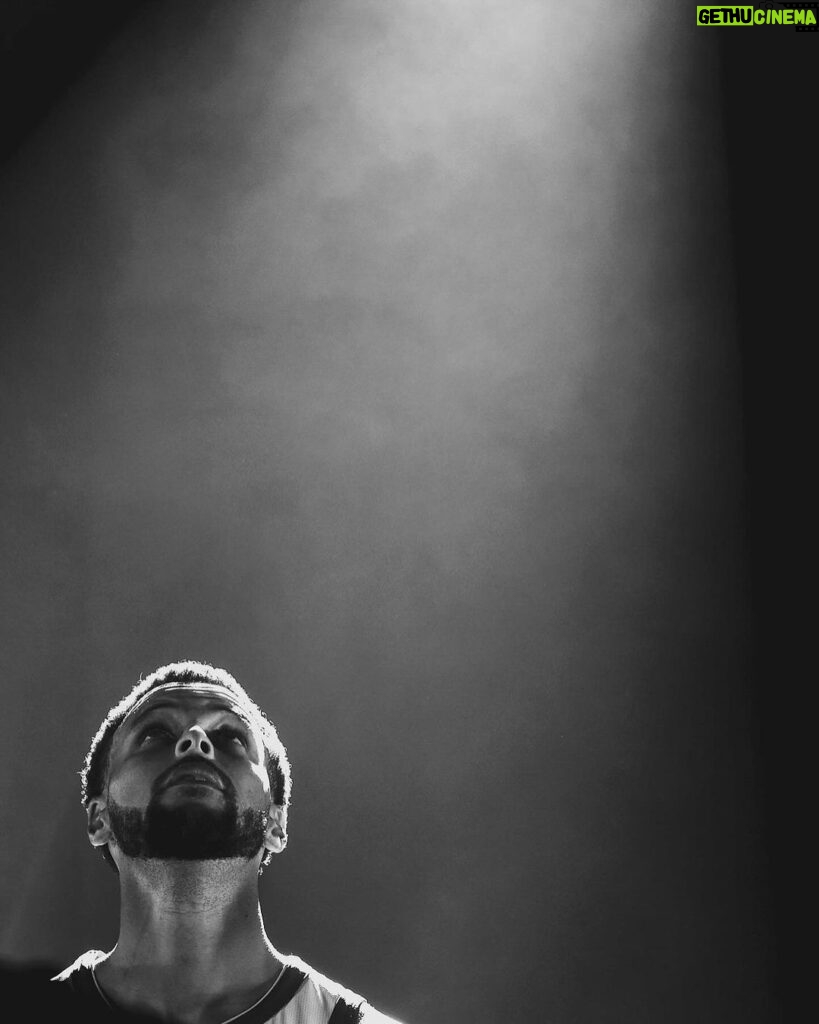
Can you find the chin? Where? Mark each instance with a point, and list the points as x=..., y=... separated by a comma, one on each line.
x=193, y=831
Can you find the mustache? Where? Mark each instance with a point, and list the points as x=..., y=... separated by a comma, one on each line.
x=190, y=764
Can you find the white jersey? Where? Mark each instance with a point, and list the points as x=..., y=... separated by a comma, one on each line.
x=299, y=995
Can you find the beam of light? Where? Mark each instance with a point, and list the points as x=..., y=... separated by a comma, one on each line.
x=388, y=345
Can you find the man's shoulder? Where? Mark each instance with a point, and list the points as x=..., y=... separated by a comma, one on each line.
x=337, y=996
x=321, y=983
x=84, y=963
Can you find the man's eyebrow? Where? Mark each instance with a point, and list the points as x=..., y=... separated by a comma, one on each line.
x=178, y=706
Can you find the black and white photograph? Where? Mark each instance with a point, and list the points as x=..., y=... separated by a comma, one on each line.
x=405, y=484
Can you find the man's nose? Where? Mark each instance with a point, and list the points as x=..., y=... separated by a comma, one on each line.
x=194, y=741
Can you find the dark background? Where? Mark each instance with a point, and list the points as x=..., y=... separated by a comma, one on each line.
x=772, y=165
x=531, y=626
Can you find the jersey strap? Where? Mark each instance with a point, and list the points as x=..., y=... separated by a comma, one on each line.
x=290, y=981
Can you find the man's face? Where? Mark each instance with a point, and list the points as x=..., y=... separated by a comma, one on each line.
x=187, y=777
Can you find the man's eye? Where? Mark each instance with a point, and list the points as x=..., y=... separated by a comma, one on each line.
x=154, y=732
x=232, y=734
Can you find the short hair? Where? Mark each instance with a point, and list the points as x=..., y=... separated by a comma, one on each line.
x=95, y=767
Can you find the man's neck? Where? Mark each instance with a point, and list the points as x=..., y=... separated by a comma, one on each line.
x=192, y=945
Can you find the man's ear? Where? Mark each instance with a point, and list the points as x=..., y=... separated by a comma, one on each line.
x=99, y=826
x=275, y=837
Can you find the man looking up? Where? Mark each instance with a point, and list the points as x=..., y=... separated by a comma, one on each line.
x=186, y=787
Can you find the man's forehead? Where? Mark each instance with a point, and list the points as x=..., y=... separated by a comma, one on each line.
x=176, y=693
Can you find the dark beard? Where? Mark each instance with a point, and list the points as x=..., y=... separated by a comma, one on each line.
x=188, y=831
